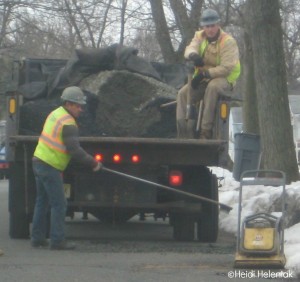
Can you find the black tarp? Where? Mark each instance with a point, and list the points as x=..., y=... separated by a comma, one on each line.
x=43, y=81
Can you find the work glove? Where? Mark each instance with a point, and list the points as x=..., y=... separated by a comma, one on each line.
x=198, y=61
x=198, y=78
x=98, y=167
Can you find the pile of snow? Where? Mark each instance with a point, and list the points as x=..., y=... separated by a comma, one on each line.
x=262, y=199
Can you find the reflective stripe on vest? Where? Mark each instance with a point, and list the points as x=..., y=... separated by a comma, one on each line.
x=235, y=73
x=51, y=148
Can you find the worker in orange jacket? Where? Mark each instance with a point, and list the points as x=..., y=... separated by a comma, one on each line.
x=215, y=56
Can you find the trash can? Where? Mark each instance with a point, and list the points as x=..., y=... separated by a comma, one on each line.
x=246, y=153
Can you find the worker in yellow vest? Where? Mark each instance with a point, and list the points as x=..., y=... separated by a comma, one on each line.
x=58, y=143
x=215, y=56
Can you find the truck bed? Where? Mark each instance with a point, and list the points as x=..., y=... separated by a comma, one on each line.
x=152, y=150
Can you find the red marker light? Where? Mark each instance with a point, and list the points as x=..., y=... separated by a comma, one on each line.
x=175, y=178
x=98, y=157
x=117, y=158
x=135, y=158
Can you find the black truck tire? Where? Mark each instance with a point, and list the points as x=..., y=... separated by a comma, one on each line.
x=18, y=218
x=183, y=227
x=195, y=178
x=208, y=224
x=18, y=225
x=198, y=180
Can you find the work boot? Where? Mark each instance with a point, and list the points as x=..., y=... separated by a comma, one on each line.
x=1, y=253
x=205, y=134
x=62, y=246
x=40, y=244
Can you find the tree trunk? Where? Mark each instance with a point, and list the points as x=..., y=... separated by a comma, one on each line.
x=187, y=24
x=162, y=32
x=123, y=21
x=6, y=12
x=250, y=111
x=271, y=87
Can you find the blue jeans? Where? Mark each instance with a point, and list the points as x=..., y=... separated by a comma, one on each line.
x=50, y=192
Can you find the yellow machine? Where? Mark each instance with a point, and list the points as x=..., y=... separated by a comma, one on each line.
x=260, y=237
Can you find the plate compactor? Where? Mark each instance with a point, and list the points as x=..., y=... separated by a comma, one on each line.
x=260, y=237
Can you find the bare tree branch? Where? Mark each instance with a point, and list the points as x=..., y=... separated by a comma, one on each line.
x=74, y=23
x=87, y=23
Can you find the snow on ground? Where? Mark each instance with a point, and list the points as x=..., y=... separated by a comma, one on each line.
x=262, y=199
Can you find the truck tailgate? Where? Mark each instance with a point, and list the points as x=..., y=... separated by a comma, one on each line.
x=153, y=150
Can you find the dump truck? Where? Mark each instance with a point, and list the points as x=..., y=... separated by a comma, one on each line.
x=183, y=164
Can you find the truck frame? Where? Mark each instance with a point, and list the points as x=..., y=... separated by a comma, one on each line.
x=180, y=163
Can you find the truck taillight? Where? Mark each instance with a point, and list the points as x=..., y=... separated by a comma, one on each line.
x=117, y=158
x=135, y=159
x=175, y=178
x=98, y=157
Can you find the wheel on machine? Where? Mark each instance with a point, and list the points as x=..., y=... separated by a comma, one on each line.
x=208, y=224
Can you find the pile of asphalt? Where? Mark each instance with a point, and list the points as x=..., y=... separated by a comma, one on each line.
x=119, y=104
x=129, y=105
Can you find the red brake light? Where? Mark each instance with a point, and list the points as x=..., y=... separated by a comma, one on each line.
x=117, y=158
x=175, y=178
x=135, y=158
x=98, y=157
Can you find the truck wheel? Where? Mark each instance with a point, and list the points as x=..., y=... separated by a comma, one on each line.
x=183, y=227
x=208, y=224
x=18, y=226
x=196, y=181
x=18, y=219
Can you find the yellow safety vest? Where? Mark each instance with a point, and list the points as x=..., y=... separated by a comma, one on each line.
x=235, y=73
x=51, y=148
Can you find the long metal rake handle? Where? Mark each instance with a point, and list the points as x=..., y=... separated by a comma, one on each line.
x=223, y=206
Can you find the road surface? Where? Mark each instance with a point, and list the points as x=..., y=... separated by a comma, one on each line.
x=135, y=251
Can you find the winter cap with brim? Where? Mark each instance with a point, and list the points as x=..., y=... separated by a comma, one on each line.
x=209, y=16
x=73, y=94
